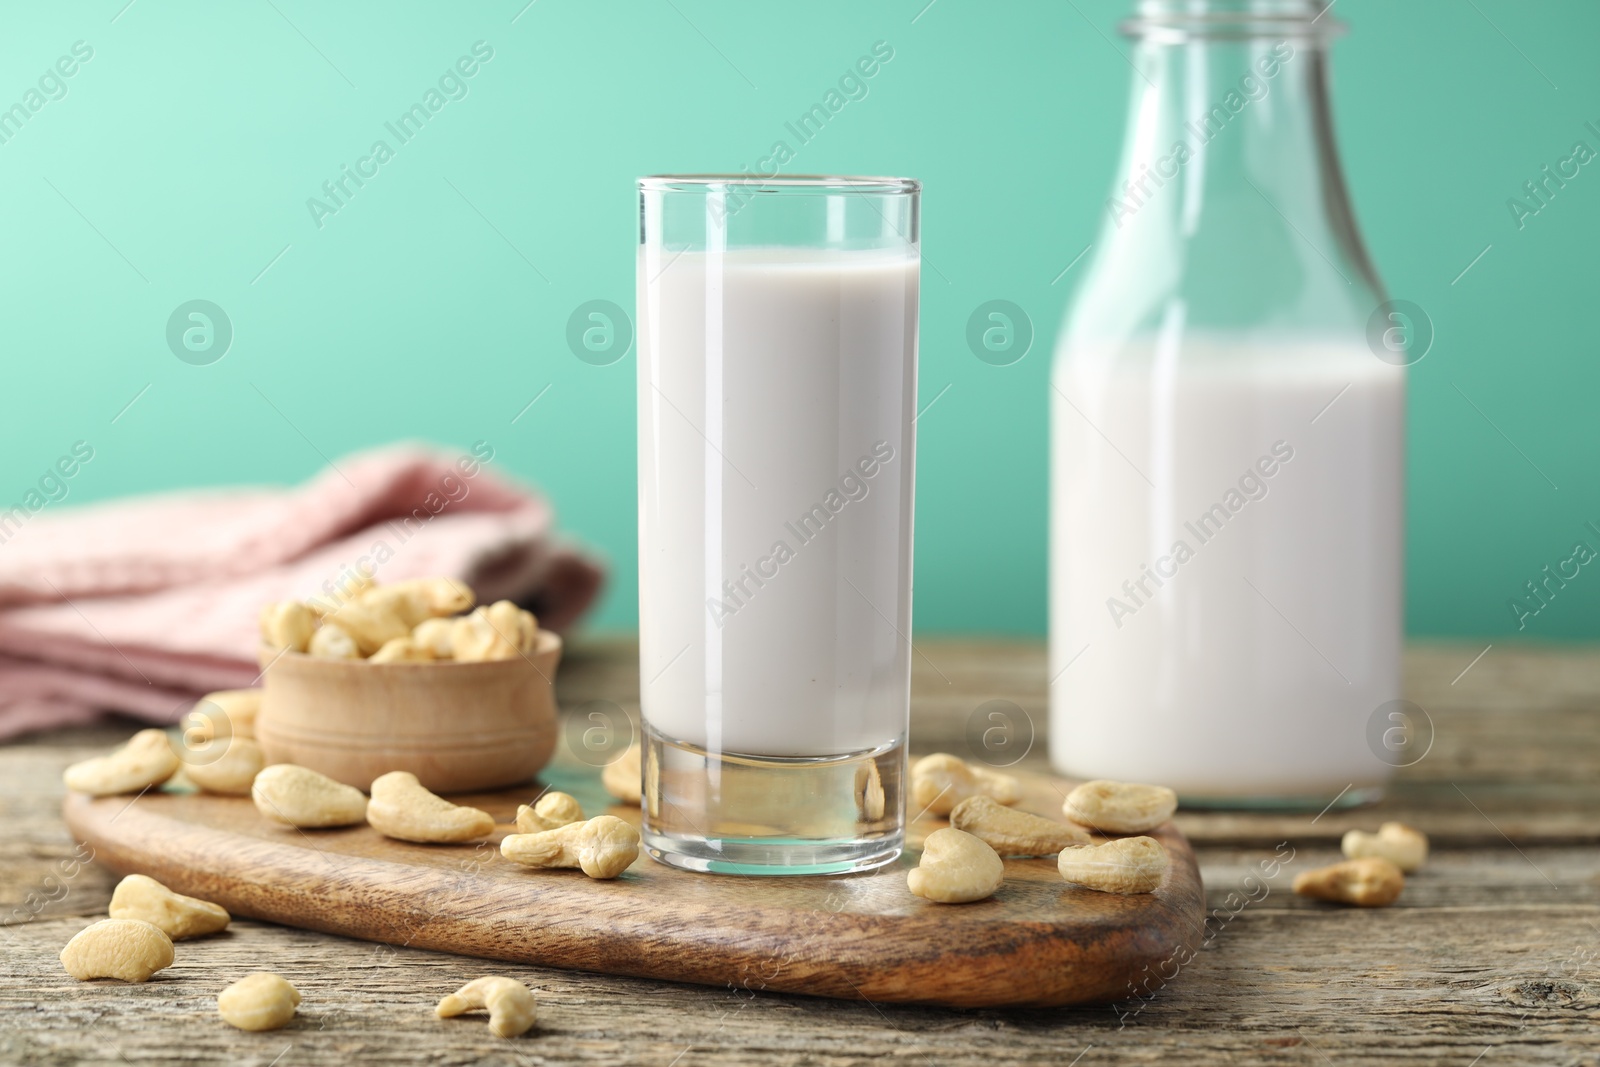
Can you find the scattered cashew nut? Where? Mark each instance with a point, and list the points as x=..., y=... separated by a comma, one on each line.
x=230, y=774
x=549, y=812
x=177, y=916
x=146, y=760
x=1011, y=832
x=299, y=796
x=956, y=868
x=261, y=1001
x=1120, y=807
x=1396, y=842
x=1126, y=865
x=227, y=713
x=130, y=950
x=403, y=809
x=621, y=776
x=603, y=847
x=1369, y=882
x=941, y=781
x=332, y=641
x=509, y=1002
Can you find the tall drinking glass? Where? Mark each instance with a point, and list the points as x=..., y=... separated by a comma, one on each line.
x=777, y=393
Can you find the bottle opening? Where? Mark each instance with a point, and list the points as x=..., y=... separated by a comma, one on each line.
x=1181, y=20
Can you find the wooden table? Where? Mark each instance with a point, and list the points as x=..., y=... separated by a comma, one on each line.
x=1491, y=957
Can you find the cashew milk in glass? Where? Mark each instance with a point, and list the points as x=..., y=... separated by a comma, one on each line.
x=759, y=567
x=777, y=402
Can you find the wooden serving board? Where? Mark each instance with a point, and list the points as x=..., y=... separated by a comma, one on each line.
x=1037, y=942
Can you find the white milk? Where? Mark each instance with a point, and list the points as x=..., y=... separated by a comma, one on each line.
x=1248, y=661
x=775, y=484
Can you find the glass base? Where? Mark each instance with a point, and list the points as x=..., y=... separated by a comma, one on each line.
x=766, y=815
x=1289, y=804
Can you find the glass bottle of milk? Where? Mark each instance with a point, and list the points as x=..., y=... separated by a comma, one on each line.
x=1227, y=455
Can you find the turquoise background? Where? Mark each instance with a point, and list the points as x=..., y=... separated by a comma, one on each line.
x=180, y=161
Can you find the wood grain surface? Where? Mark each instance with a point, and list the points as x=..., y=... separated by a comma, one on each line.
x=1038, y=942
x=1491, y=957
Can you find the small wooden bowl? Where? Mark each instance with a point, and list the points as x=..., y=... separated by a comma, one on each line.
x=459, y=727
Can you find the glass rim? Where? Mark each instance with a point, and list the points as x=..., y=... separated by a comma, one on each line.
x=1178, y=28
x=1165, y=21
x=1175, y=32
x=792, y=184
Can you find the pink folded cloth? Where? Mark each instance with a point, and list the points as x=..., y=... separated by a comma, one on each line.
x=143, y=605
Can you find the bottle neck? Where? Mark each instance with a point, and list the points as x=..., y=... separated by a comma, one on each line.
x=1205, y=113
x=1230, y=178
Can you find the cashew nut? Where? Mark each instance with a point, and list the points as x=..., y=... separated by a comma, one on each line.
x=870, y=799
x=177, y=916
x=435, y=636
x=603, y=847
x=130, y=950
x=261, y=1001
x=1011, y=832
x=512, y=621
x=1370, y=882
x=1396, y=842
x=956, y=868
x=371, y=618
x=510, y=1004
x=500, y=631
x=622, y=776
x=549, y=812
x=146, y=760
x=402, y=809
x=370, y=623
x=402, y=650
x=299, y=796
x=1120, y=807
x=941, y=781
x=228, y=713
x=473, y=639
x=230, y=774
x=332, y=641
x=417, y=599
x=1126, y=865
x=287, y=624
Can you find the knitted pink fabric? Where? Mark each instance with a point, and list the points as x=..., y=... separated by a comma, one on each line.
x=142, y=605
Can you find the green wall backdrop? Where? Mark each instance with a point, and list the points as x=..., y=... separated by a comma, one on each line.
x=179, y=161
